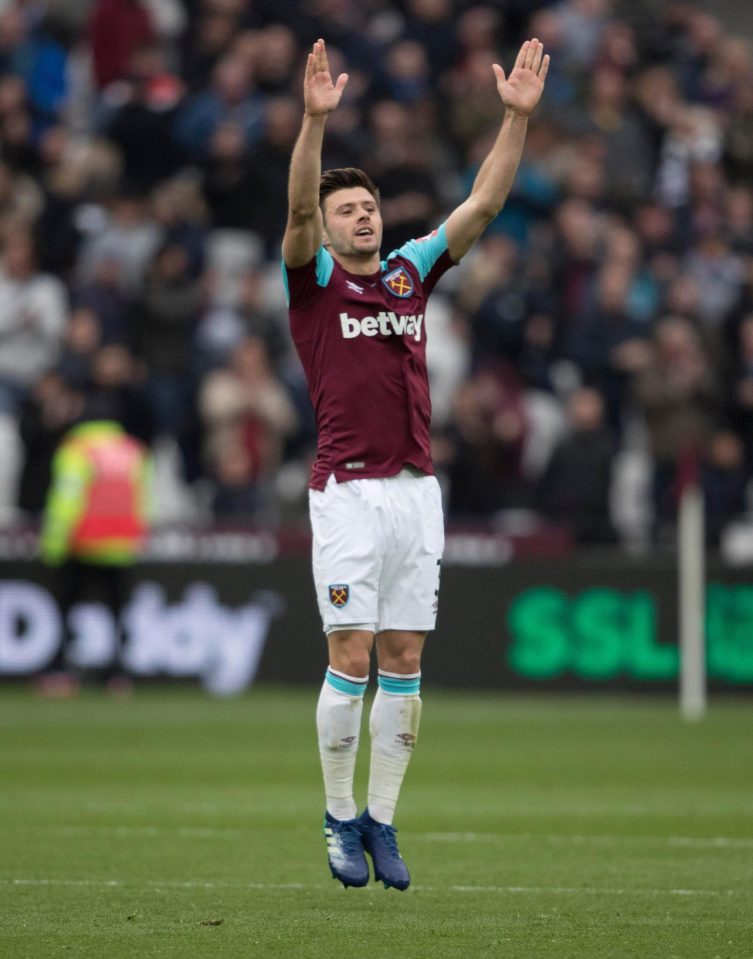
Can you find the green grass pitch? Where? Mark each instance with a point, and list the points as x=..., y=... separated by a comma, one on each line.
x=173, y=825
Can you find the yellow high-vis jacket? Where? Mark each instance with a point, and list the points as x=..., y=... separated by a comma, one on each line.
x=97, y=507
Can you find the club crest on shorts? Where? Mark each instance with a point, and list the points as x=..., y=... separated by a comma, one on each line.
x=339, y=594
x=399, y=282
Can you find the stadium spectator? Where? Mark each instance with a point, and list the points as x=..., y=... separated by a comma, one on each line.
x=232, y=98
x=241, y=186
x=56, y=231
x=579, y=233
x=123, y=232
x=431, y=23
x=236, y=494
x=607, y=340
x=21, y=198
x=95, y=522
x=268, y=168
x=400, y=161
x=679, y=396
x=46, y=414
x=224, y=325
x=83, y=337
x=166, y=316
x=247, y=416
x=40, y=58
x=210, y=32
x=405, y=76
x=740, y=397
x=488, y=430
x=536, y=189
x=582, y=24
x=103, y=297
x=115, y=390
x=738, y=218
x=140, y=109
x=179, y=210
x=33, y=313
x=17, y=125
x=738, y=136
x=228, y=185
x=718, y=274
x=470, y=112
x=117, y=28
x=272, y=52
x=496, y=299
x=575, y=488
x=724, y=480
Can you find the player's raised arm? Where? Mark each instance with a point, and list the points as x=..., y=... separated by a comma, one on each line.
x=303, y=233
x=520, y=92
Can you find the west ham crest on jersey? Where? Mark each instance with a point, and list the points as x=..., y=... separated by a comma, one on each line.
x=339, y=594
x=399, y=282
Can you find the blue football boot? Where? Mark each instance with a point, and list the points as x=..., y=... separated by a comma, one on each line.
x=380, y=843
x=345, y=851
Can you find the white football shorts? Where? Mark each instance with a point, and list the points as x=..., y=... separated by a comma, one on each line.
x=377, y=550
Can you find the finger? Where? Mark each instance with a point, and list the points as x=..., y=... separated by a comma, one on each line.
x=341, y=81
x=323, y=62
x=530, y=53
x=521, y=59
x=499, y=73
x=544, y=68
x=537, y=57
x=310, y=66
x=316, y=55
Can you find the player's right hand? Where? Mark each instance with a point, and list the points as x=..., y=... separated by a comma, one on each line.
x=320, y=94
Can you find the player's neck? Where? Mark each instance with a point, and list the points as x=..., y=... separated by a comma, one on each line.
x=359, y=265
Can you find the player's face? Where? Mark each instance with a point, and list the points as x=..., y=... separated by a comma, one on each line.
x=352, y=222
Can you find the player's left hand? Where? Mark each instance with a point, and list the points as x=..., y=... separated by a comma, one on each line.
x=521, y=91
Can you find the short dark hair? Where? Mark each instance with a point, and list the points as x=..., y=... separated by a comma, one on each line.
x=343, y=179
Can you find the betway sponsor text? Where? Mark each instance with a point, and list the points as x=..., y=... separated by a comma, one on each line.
x=384, y=323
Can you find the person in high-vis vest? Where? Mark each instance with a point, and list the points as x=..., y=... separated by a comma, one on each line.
x=95, y=522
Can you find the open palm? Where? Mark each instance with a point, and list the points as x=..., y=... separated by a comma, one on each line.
x=522, y=90
x=320, y=94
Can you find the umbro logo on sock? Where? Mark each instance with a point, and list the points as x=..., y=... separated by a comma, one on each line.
x=406, y=739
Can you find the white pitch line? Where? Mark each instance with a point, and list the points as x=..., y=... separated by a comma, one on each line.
x=712, y=842
x=592, y=891
x=720, y=843
x=581, y=839
x=659, y=809
x=190, y=832
x=691, y=842
x=293, y=886
x=153, y=884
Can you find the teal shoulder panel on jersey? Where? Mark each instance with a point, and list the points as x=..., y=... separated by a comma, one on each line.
x=284, y=268
x=325, y=264
x=324, y=267
x=422, y=253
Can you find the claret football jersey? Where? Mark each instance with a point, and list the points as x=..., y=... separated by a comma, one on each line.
x=362, y=343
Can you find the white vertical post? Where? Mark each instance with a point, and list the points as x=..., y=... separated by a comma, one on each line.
x=692, y=602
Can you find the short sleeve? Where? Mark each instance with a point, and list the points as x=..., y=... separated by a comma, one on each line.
x=303, y=282
x=425, y=252
x=429, y=255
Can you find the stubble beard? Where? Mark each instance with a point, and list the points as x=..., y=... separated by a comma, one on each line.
x=352, y=251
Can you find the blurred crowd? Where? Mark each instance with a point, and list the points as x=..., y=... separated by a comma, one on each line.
x=597, y=339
